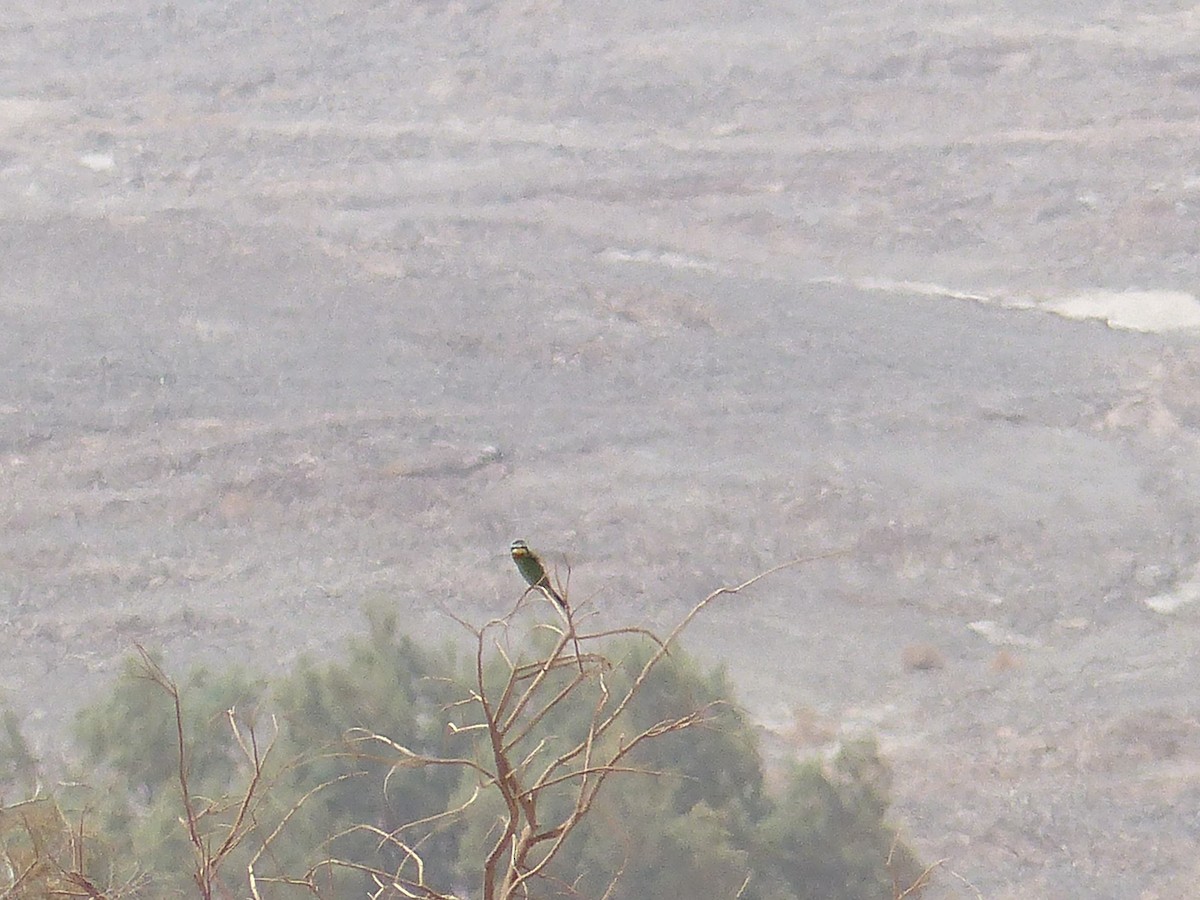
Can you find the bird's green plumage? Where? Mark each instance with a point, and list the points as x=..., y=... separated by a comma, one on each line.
x=529, y=564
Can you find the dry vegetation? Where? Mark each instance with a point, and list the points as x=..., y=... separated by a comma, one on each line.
x=533, y=732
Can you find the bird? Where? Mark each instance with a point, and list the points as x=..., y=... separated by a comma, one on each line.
x=529, y=564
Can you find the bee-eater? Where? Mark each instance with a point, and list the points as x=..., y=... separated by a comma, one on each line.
x=529, y=564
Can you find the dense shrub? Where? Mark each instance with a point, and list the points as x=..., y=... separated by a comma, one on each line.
x=687, y=816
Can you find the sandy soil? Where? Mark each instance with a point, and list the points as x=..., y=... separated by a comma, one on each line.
x=310, y=303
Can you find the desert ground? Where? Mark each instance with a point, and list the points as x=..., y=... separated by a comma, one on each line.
x=311, y=304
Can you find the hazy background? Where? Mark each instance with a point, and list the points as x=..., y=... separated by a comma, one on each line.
x=310, y=303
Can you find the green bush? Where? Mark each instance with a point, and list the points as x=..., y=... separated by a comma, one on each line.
x=826, y=838
x=389, y=686
x=681, y=823
x=386, y=684
x=18, y=765
x=689, y=817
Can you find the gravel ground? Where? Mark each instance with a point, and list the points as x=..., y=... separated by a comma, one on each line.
x=306, y=304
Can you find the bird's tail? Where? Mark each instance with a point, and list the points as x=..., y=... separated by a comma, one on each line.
x=548, y=589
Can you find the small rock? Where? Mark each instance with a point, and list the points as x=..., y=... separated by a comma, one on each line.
x=922, y=658
x=98, y=162
x=997, y=635
x=1005, y=661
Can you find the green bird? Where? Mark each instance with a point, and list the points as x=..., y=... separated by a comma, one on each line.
x=529, y=564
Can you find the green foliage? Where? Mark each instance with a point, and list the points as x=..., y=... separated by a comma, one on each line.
x=18, y=766
x=690, y=818
x=826, y=838
x=681, y=823
x=637, y=835
x=133, y=733
x=717, y=762
x=387, y=686
x=133, y=738
x=693, y=818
